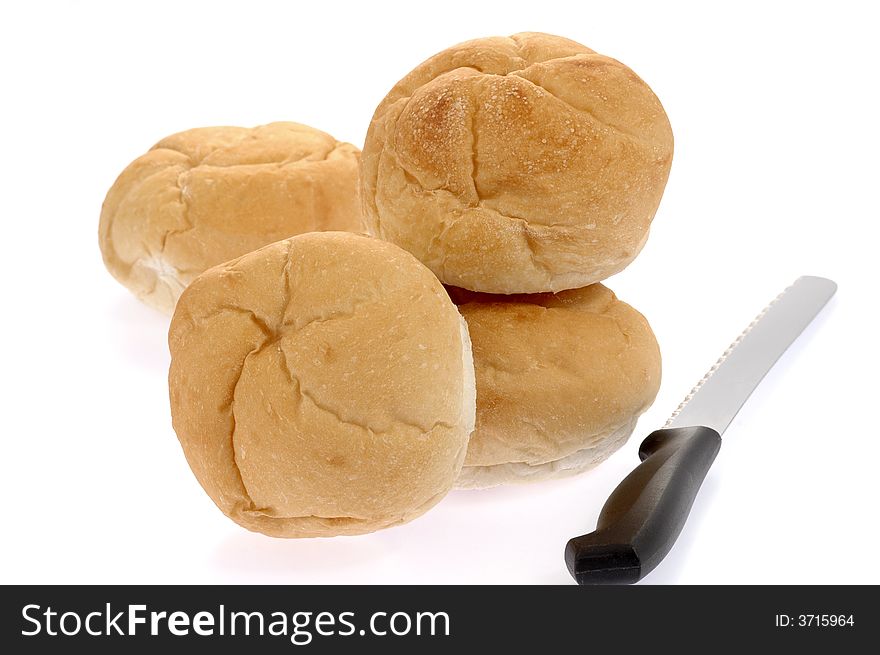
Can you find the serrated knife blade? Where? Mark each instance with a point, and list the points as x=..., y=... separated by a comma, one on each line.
x=718, y=396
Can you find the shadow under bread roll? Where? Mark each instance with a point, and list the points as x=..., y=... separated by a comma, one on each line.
x=321, y=386
x=561, y=380
x=207, y=195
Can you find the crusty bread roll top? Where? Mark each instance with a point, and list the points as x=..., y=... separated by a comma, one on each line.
x=321, y=386
x=205, y=196
x=517, y=164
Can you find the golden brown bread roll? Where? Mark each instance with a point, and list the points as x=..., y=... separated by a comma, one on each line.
x=321, y=386
x=517, y=165
x=207, y=195
x=561, y=380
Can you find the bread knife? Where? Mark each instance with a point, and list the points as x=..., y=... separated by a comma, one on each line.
x=643, y=517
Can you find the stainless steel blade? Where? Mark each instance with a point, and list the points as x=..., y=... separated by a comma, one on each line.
x=728, y=384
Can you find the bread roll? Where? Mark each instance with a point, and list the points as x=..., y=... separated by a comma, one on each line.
x=205, y=196
x=561, y=380
x=321, y=386
x=517, y=165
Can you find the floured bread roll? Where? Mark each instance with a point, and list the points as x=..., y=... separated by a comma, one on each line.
x=207, y=195
x=561, y=380
x=517, y=165
x=321, y=386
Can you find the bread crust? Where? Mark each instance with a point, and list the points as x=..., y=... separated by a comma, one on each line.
x=561, y=379
x=517, y=165
x=207, y=195
x=321, y=386
x=602, y=447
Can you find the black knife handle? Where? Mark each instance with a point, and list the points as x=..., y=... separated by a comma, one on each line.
x=645, y=514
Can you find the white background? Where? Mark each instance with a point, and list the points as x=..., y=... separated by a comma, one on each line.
x=775, y=114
